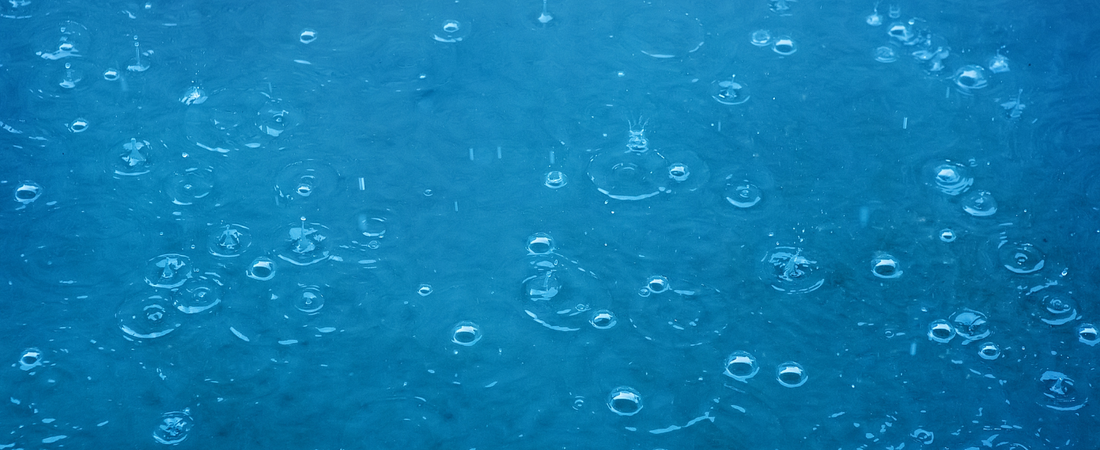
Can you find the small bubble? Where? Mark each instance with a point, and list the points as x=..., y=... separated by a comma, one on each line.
x=941, y=331
x=540, y=244
x=784, y=45
x=78, y=126
x=262, y=269
x=451, y=31
x=30, y=359
x=555, y=179
x=624, y=401
x=741, y=366
x=424, y=290
x=791, y=374
x=948, y=235
x=657, y=284
x=307, y=36
x=465, y=333
x=603, y=319
x=970, y=77
x=885, y=266
x=110, y=74
x=1088, y=334
x=28, y=192
x=678, y=172
x=924, y=436
x=989, y=351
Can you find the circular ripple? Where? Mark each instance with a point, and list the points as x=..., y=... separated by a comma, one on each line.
x=304, y=244
x=229, y=241
x=168, y=271
x=760, y=38
x=149, y=318
x=941, y=331
x=555, y=179
x=190, y=186
x=657, y=32
x=306, y=181
x=686, y=172
x=885, y=54
x=408, y=62
x=374, y=228
x=1021, y=258
x=1060, y=392
x=560, y=295
x=970, y=325
x=309, y=300
x=948, y=177
x=200, y=294
x=742, y=193
x=678, y=312
x=134, y=157
x=791, y=374
x=68, y=39
x=629, y=175
x=276, y=117
x=624, y=401
x=788, y=269
x=979, y=204
x=1057, y=308
x=740, y=365
x=173, y=427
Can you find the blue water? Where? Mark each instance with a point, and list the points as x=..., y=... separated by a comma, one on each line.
x=431, y=224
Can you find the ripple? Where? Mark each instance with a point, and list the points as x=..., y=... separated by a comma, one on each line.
x=306, y=180
x=970, y=77
x=200, y=294
x=629, y=175
x=135, y=157
x=309, y=300
x=761, y=38
x=229, y=241
x=1060, y=392
x=31, y=358
x=1021, y=258
x=678, y=312
x=742, y=194
x=740, y=365
x=1057, y=308
x=304, y=244
x=686, y=172
x=451, y=31
x=275, y=117
x=884, y=265
x=149, y=318
x=190, y=186
x=941, y=331
x=970, y=325
x=885, y=54
x=787, y=269
x=555, y=179
x=624, y=401
x=173, y=427
x=661, y=33
x=730, y=92
x=560, y=295
x=948, y=177
x=168, y=271
x=791, y=374
x=406, y=62
x=465, y=333
x=374, y=227
x=68, y=39
x=979, y=204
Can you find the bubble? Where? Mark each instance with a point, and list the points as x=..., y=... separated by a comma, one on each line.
x=200, y=294
x=309, y=300
x=1060, y=392
x=30, y=359
x=740, y=365
x=229, y=241
x=307, y=36
x=194, y=95
x=761, y=38
x=451, y=31
x=1021, y=258
x=191, y=185
x=150, y=318
x=742, y=194
x=27, y=192
x=630, y=175
x=784, y=45
x=111, y=74
x=941, y=331
x=603, y=319
x=657, y=284
x=970, y=325
x=989, y=351
x=791, y=374
x=555, y=179
x=948, y=235
x=686, y=171
x=923, y=436
x=1057, y=308
x=168, y=271
x=885, y=54
x=730, y=92
x=624, y=401
x=173, y=427
x=540, y=244
x=979, y=204
x=970, y=77
x=1088, y=334
x=78, y=125
x=306, y=181
x=886, y=266
x=786, y=269
x=424, y=290
x=948, y=177
x=305, y=243
x=465, y=333
x=262, y=269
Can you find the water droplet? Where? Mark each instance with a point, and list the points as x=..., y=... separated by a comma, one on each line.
x=307, y=36
x=30, y=359
x=941, y=331
x=603, y=319
x=149, y=318
x=309, y=300
x=173, y=427
x=730, y=92
x=555, y=179
x=740, y=365
x=784, y=45
x=886, y=266
x=262, y=269
x=229, y=241
x=624, y=401
x=970, y=325
x=989, y=351
x=970, y=77
x=885, y=54
x=979, y=204
x=305, y=243
x=791, y=374
x=948, y=177
x=465, y=333
x=451, y=31
x=788, y=270
x=540, y=244
x=168, y=271
x=1021, y=258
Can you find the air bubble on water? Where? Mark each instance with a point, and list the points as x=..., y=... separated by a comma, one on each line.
x=884, y=265
x=989, y=351
x=465, y=333
x=784, y=45
x=948, y=235
x=603, y=319
x=624, y=401
x=451, y=31
x=1088, y=334
x=970, y=77
x=78, y=125
x=540, y=244
x=31, y=359
x=424, y=290
x=740, y=365
x=27, y=192
x=261, y=269
x=307, y=36
x=941, y=331
x=971, y=325
x=791, y=374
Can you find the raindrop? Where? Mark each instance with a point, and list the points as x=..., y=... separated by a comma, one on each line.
x=624, y=401
x=741, y=366
x=309, y=300
x=168, y=271
x=149, y=318
x=229, y=241
x=1061, y=392
x=791, y=374
x=1021, y=258
x=874, y=19
x=555, y=179
x=306, y=180
x=140, y=62
x=305, y=243
x=979, y=204
x=998, y=63
x=191, y=185
x=465, y=333
x=1057, y=309
x=132, y=158
x=173, y=427
x=923, y=436
x=788, y=270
